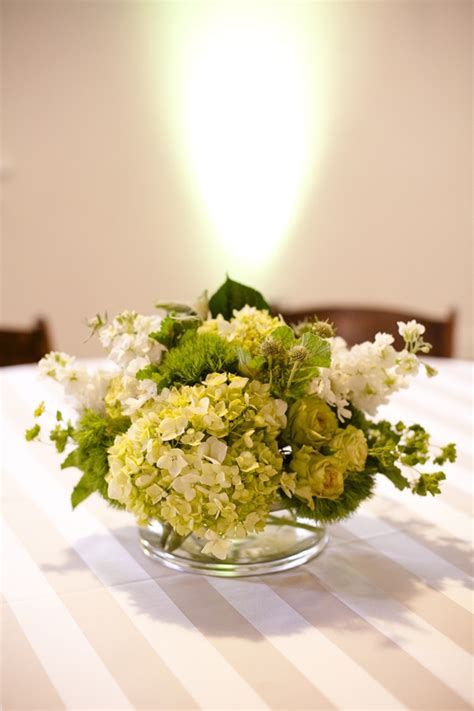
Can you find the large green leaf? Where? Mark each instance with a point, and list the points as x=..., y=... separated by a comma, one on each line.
x=285, y=335
x=232, y=295
x=319, y=349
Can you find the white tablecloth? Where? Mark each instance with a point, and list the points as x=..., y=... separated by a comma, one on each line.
x=381, y=620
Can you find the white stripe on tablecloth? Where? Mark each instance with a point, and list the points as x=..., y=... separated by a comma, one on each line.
x=180, y=645
x=416, y=558
x=277, y=621
x=435, y=651
x=429, y=509
x=432, y=404
x=73, y=666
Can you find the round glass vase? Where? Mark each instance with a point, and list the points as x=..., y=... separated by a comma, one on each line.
x=285, y=543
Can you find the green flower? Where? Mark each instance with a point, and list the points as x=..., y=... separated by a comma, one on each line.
x=350, y=447
x=317, y=476
x=311, y=422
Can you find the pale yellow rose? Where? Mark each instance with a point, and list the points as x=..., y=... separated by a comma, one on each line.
x=311, y=422
x=317, y=476
x=350, y=447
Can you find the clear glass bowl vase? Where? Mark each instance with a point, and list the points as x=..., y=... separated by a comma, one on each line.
x=285, y=543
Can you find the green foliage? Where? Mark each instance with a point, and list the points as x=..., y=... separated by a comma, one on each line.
x=176, y=308
x=430, y=371
x=428, y=484
x=414, y=447
x=408, y=446
x=319, y=349
x=93, y=435
x=292, y=363
x=173, y=327
x=249, y=366
x=284, y=335
x=150, y=372
x=448, y=454
x=39, y=410
x=60, y=435
x=32, y=433
x=192, y=360
x=232, y=295
x=357, y=487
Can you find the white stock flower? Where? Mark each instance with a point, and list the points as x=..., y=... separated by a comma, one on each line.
x=411, y=330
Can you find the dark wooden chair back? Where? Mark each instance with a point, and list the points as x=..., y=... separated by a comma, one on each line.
x=361, y=324
x=23, y=346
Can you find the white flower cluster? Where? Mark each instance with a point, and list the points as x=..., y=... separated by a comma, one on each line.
x=128, y=344
x=127, y=338
x=368, y=373
x=85, y=388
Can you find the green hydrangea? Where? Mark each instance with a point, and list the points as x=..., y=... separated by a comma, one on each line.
x=202, y=458
x=247, y=328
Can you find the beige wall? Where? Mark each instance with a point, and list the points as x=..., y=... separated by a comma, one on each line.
x=97, y=209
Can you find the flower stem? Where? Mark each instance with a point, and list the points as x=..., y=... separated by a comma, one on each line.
x=277, y=521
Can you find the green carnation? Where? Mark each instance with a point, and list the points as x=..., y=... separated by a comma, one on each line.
x=311, y=422
x=317, y=475
x=350, y=447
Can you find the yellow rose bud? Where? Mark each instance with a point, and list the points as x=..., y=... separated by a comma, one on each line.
x=317, y=476
x=311, y=422
x=350, y=447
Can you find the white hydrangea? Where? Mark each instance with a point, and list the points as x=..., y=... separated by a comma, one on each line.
x=126, y=395
x=127, y=338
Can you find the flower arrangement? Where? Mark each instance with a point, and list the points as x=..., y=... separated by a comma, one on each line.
x=211, y=417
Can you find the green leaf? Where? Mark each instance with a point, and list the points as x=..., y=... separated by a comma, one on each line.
x=249, y=366
x=392, y=472
x=84, y=488
x=73, y=459
x=150, y=372
x=232, y=295
x=173, y=328
x=32, y=433
x=40, y=409
x=319, y=349
x=306, y=372
x=285, y=335
x=430, y=371
x=176, y=308
x=60, y=436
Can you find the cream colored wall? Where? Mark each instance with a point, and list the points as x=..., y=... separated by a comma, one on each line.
x=97, y=210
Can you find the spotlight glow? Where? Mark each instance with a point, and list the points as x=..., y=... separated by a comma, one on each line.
x=247, y=120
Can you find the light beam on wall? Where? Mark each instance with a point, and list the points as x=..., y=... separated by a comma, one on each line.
x=246, y=112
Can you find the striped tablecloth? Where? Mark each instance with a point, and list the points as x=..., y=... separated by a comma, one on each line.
x=380, y=621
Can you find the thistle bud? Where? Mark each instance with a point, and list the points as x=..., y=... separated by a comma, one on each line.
x=298, y=353
x=323, y=329
x=270, y=347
